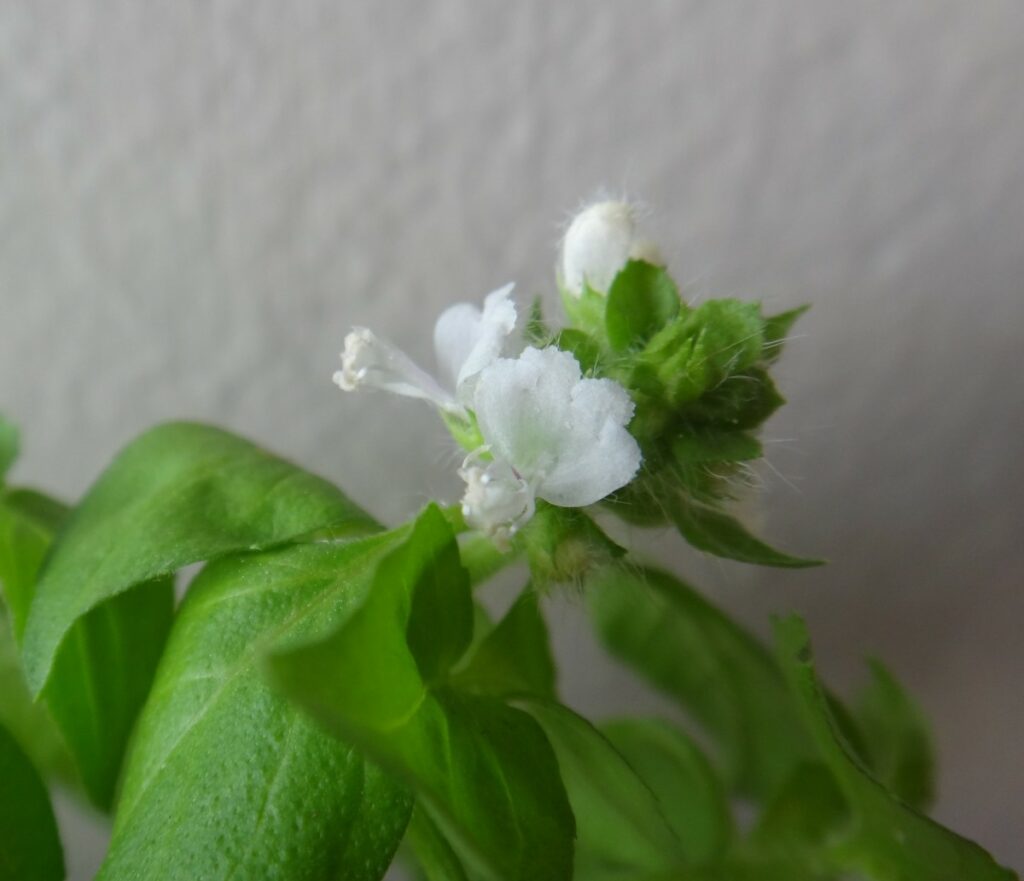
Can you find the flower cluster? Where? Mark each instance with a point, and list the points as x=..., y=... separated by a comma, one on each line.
x=546, y=431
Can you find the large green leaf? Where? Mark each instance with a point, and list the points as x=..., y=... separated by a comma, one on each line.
x=621, y=829
x=435, y=859
x=716, y=671
x=483, y=770
x=179, y=494
x=690, y=794
x=103, y=669
x=897, y=738
x=889, y=841
x=224, y=778
x=29, y=845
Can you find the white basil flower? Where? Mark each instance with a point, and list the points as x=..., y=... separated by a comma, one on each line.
x=466, y=339
x=553, y=435
x=599, y=242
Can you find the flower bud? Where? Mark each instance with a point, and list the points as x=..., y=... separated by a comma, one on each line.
x=598, y=243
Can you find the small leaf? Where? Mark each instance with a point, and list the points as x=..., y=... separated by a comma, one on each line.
x=641, y=301
x=484, y=771
x=776, y=331
x=890, y=841
x=29, y=845
x=717, y=672
x=514, y=657
x=896, y=738
x=225, y=779
x=717, y=533
x=9, y=446
x=620, y=826
x=179, y=494
x=689, y=792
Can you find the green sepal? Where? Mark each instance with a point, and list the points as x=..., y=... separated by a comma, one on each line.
x=464, y=430
x=583, y=347
x=536, y=331
x=586, y=311
x=563, y=544
x=776, y=332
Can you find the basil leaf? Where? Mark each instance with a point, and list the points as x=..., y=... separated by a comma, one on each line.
x=179, y=494
x=102, y=671
x=690, y=794
x=514, y=657
x=29, y=845
x=897, y=738
x=484, y=771
x=434, y=855
x=716, y=671
x=621, y=829
x=224, y=778
x=889, y=840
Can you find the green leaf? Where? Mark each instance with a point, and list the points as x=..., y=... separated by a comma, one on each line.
x=641, y=301
x=689, y=791
x=717, y=672
x=29, y=723
x=740, y=402
x=9, y=446
x=514, y=657
x=224, y=778
x=103, y=669
x=776, y=331
x=434, y=855
x=896, y=738
x=890, y=841
x=29, y=845
x=799, y=824
x=620, y=824
x=179, y=494
x=483, y=770
x=708, y=529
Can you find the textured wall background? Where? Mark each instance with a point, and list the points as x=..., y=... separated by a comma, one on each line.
x=198, y=198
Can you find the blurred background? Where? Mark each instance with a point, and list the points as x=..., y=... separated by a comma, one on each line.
x=197, y=199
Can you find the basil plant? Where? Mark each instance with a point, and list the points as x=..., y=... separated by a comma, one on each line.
x=330, y=696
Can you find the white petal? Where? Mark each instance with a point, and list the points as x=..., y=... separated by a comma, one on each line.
x=371, y=362
x=497, y=500
x=467, y=339
x=597, y=245
x=564, y=434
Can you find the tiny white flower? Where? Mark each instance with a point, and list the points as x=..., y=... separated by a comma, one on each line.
x=497, y=500
x=466, y=339
x=551, y=431
x=597, y=245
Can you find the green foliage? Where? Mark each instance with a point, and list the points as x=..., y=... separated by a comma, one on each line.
x=620, y=825
x=897, y=738
x=776, y=331
x=29, y=845
x=478, y=766
x=889, y=841
x=689, y=791
x=563, y=544
x=102, y=671
x=181, y=493
x=225, y=779
x=435, y=859
x=718, y=673
x=710, y=530
x=9, y=445
x=643, y=299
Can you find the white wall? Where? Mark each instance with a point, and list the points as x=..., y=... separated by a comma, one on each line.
x=198, y=198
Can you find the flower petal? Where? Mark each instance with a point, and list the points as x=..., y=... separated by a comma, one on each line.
x=467, y=339
x=597, y=245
